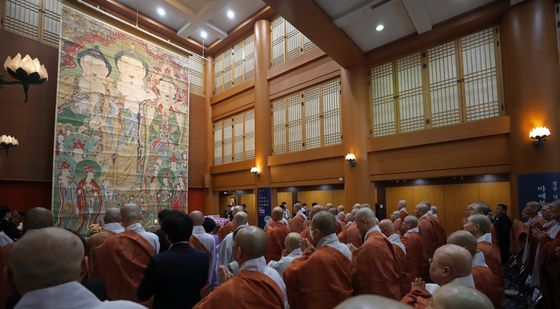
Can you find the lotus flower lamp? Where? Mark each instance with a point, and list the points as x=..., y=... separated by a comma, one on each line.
x=7, y=142
x=26, y=70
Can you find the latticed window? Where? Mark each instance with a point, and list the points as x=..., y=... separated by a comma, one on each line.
x=196, y=74
x=35, y=19
x=307, y=119
x=447, y=84
x=287, y=42
x=234, y=138
x=235, y=65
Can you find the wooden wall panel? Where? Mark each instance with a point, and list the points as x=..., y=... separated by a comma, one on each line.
x=235, y=180
x=336, y=197
x=249, y=201
x=24, y=195
x=285, y=197
x=234, y=104
x=414, y=195
x=196, y=200
x=458, y=154
x=457, y=197
x=494, y=193
x=327, y=171
x=197, y=141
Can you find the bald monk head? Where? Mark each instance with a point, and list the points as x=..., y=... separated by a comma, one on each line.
x=395, y=215
x=434, y=209
x=365, y=205
x=477, y=225
x=387, y=227
x=323, y=224
x=236, y=209
x=340, y=208
x=365, y=220
x=531, y=209
x=470, y=210
x=450, y=262
x=45, y=258
x=554, y=211
x=333, y=211
x=249, y=243
x=292, y=241
x=112, y=215
x=408, y=223
x=329, y=206
x=277, y=214
x=463, y=239
x=197, y=217
x=240, y=218
x=130, y=214
x=370, y=302
x=481, y=208
x=315, y=210
x=421, y=209
x=37, y=218
x=460, y=297
x=402, y=204
x=356, y=206
x=296, y=207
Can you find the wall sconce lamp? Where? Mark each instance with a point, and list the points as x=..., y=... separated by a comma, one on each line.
x=539, y=135
x=27, y=71
x=351, y=159
x=7, y=142
x=256, y=170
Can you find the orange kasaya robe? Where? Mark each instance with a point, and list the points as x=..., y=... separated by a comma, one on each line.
x=306, y=233
x=93, y=242
x=492, y=257
x=418, y=298
x=398, y=224
x=429, y=241
x=6, y=289
x=248, y=289
x=403, y=269
x=276, y=233
x=494, y=235
x=339, y=226
x=228, y=228
x=120, y=261
x=517, y=230
x=195, y=243
x=375, y=269
x=439, y=231
x=341, y=216
x=487, y=283
x=549, y=268
x=414, y=253
x=297, y=224
x=351, y=236
x=319, y=279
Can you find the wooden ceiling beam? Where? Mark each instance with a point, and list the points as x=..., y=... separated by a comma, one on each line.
x=311, y=20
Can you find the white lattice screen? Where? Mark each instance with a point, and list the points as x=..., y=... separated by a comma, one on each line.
x=196, y=74
x=235, y=65
x=35, y=19
x=287, y=42
x=307, y=119
x=234, y=138
x=447, y=84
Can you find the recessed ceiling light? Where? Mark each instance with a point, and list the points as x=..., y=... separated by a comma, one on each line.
x=230, y=14
x=161, y=11
x=203, y=34
x=379, y=27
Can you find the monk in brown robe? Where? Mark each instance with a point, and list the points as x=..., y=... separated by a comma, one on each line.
x=341, y=215
x=484, y=280
x=450, y=265
x=460, y=296
x=403, y=265
x=299, y=221
x=375, y=269
x=427, y=231
x=111, y=226
x=479, y=226
x=412, y=241
x=482, y=208
x=256, y=285
x=306, y=233
x=322, y=277
x=204, y=242
x=549, y=262
x=276, y=231
x=35, y=218
x=229, y=227
x=122, y=258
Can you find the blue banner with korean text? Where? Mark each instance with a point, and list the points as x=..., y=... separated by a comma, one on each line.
x=264, y=204
x=543, y=188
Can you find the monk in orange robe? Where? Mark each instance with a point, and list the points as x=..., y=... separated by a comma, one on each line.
x=427, y=231
x=35, y=218
x=276, y=231
x=403, y=266
x=484, y=280
x=256, y=285
x=374, y=266
x=306, y=232
x=230, y=226
x=112, y=226
x=322, y=277
x=479, y=226
x=549, y=261
x=298, y=222
x=412, y=241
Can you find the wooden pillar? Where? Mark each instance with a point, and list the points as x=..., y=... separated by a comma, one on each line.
x=211, y=199
x=531, y=76
x=355, y=111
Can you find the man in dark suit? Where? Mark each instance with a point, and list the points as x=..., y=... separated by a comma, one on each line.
x=163, y=243
x=503, y=224
x=176, y=276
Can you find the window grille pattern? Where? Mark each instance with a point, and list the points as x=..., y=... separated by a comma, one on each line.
x=307, y=119
x=235, y=65
x=196, y=74
x=447, y=84
x=234, y=138
x=35, y=19
x=287, y=42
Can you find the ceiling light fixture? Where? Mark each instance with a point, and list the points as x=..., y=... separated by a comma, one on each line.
x=203, y=34
x=379, y=27
x=161, y=11
x=230, y=14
